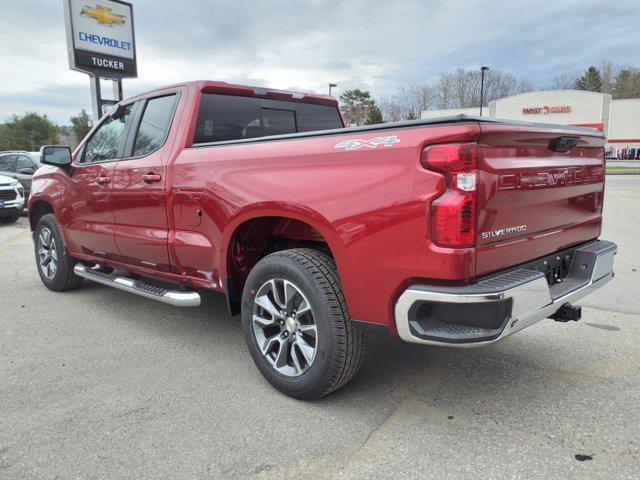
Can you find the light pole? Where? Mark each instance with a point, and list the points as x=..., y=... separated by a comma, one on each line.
x=482, y=70
x=332, y=85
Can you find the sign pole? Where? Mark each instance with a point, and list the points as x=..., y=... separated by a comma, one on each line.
x=117, y=89
x=97, y=102
x=94, y=81
x=482, y=70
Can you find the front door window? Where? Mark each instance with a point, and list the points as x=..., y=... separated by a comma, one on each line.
x=107, y=142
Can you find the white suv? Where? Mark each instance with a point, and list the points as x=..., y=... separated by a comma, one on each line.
x=11, y=199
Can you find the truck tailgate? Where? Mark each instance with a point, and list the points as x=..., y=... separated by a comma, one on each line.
x=535, y=199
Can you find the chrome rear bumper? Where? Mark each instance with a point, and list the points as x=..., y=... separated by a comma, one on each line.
x=519, y=297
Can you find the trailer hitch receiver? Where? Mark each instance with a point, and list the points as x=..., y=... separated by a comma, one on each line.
x=568, y=312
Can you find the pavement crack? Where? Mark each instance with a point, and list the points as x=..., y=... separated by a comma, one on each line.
x=381, y=423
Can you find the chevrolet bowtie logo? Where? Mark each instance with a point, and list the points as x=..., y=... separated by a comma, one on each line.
x=103, y=15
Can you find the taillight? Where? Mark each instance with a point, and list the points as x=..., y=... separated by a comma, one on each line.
x=454, y=212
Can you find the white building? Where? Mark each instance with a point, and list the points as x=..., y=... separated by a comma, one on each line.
x=619, y=119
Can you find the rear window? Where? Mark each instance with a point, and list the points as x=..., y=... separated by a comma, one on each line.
x=227, y=117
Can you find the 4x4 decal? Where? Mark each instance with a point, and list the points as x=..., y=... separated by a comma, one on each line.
x=376, y=142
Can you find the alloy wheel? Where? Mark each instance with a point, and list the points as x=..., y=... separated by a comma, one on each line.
x=284, y=327
x=47, y=254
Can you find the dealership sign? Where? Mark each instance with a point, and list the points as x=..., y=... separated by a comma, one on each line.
x=546, y=110
x=100, y=37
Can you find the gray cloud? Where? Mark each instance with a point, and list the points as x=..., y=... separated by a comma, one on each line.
x=306, y=44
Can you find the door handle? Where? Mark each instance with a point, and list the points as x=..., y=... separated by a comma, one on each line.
x=151, y=177
x=101, y=180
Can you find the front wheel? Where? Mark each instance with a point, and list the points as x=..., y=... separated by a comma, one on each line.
x=54, y=263
x=297, y=326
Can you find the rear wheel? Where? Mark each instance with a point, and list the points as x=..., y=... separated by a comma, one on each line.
x=54, y=263
x=297, y=325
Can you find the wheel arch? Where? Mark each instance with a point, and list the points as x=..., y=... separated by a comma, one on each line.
x=258, y=232
x=37, y=209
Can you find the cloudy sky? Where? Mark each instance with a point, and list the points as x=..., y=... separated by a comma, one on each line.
x=302, y=45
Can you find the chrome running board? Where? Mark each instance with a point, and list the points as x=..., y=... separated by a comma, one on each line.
x=172, y=297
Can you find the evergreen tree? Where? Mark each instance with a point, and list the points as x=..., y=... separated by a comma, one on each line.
x=374, y=116
x=81, y=124
x=590, y=81
x=356, y=105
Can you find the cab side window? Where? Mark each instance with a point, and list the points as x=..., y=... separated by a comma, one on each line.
x=154, y=125
x=8, y=163
x=24, y=162
x=107, y=142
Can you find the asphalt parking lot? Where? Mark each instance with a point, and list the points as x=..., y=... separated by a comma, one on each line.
x=97, y=383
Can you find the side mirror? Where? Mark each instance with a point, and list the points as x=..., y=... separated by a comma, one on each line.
x=26, y=171
x=56, y=155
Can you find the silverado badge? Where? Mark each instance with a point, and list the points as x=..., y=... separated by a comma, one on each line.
x=503, y=231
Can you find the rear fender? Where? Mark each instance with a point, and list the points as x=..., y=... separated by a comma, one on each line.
x=280, y=209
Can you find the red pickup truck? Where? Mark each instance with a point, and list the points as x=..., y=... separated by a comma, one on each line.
x=458, y=231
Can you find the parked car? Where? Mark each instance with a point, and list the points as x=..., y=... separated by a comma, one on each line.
x=19, y=165
x=35, y=156
x=11, y=199
x=456, y=231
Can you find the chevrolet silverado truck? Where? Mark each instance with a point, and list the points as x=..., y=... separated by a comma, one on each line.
x=456, y=232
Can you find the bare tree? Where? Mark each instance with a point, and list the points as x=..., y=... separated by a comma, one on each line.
x=608, y=73
x=457, y=89
x=461, y=88
x=407, y=103
x=391, y=110
x=413, y=99
x=500, y=85
x=607, y=70
x=444, y=92
x=565, y=81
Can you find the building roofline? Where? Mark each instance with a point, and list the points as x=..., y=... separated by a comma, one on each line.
x=626, y=100
x=573, y=90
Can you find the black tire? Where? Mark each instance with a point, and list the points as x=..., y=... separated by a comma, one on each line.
x=340, y=346
x=64, y=277
x=12, y=219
